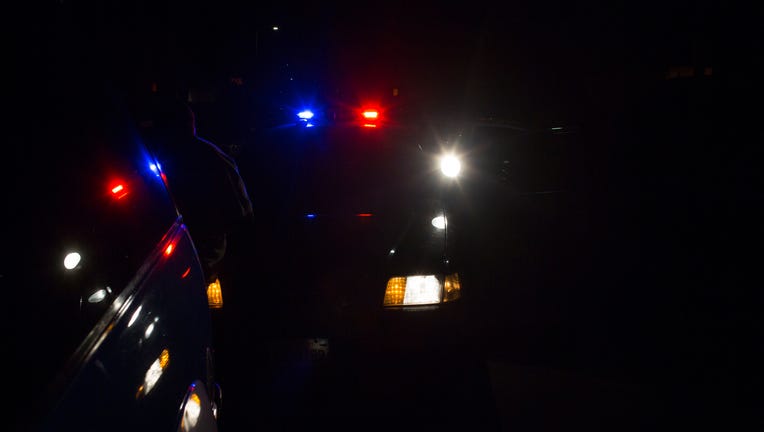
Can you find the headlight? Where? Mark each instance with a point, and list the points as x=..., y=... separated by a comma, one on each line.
x=450, y=166
x=421, y=290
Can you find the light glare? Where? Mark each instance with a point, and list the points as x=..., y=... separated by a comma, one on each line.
x=450, y=166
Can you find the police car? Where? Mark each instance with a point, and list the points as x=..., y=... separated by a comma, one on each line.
x=111, y=326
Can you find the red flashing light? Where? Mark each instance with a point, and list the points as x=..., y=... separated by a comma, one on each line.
x=364, y=215
x=370, y=114
x=169, y=249
x=369, y=125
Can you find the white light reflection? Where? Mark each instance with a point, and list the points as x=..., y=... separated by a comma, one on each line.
x=192, y=412
x=152, y=376
x=71, y=260
x=439, y=222
x=97, y=297
x=135, y=316
x=149, y=330
x=154, y=373
x=117, y=305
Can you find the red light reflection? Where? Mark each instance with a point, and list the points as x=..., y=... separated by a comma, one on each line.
x=185, y=273
x=119, y=191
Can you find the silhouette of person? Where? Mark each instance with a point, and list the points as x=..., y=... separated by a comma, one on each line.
x=205, y=182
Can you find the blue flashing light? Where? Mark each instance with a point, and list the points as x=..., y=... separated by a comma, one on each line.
x=310, y=216
x=305, y=115
x=154, y=168
x=309, y=125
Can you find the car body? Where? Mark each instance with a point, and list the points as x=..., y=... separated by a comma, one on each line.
x=112, y=328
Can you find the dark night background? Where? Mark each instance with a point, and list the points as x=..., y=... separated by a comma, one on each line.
x=528, y=61
x=666, y=95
